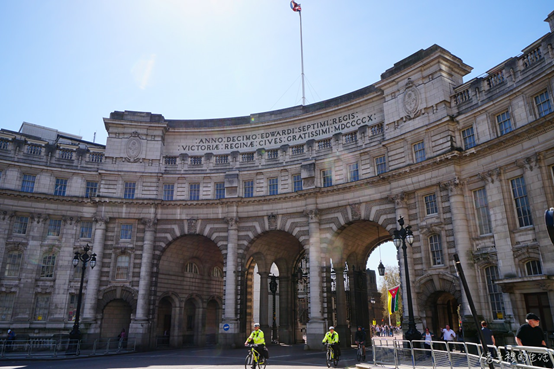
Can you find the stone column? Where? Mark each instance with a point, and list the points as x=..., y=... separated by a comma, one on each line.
x=91, y=295
x=229, y=327
x=4, y=229
x=283, y=309
x=342, y=328
x=264, y=297
x=315, y=328
x=140, y=326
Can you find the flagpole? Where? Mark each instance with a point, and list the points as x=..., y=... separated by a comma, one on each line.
x=302, y=59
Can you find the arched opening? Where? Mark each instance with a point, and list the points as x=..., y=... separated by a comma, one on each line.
x=441, y=309
x=163, y=327
x=189, y=323
x=212, y=322
x=115, y=317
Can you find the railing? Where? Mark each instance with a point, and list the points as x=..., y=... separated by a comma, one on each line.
x=59, y=347
x=440, y=354
x=462, y=96
x=531, y=57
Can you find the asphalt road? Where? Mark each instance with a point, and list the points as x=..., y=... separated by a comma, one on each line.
x=202, y=358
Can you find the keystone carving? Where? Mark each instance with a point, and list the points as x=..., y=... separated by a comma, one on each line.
x=355, y=211
x=312, y=214
x=454, y=186
x=490, y=176
x=400, y=200
x=272, y=221
x=192, y=225
x=528, y=163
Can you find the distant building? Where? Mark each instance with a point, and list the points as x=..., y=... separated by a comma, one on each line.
x=180, y=213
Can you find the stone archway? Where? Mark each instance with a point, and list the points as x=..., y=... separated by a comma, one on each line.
x=116, y=316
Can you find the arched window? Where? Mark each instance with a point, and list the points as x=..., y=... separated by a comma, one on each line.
x=495, y=294
x=47, y=267
x=13, y=263
x=191, y=268
x=122, y=267
x=533, y=267
x=217, y=272
x=436, y=250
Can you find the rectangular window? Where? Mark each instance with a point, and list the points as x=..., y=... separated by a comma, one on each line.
x=297, y=181
x=28, y=183
x=324, y=144
x=222, y=159
x=96, y=157
x=543, y=104
x=381, y=164
x=327, y=177
x=47, y=266
x=523, y=209
x=6, y=306
x=91, y=189
x=54, y=227
x=297, y=150
x=273, y=184
x=66, y=154
x=20, y=225
x=469, y=138
x=376, y=129
x=482, y=210
x=60, y=187
x=34, y=149
x=248, y=156
x=86, y=230
x=170, y=160
x=194, y=189
x=129, y=192
x=248, y=188
x=4, y=144
x=42, y=305
x=220, y=190
x=195, y=160
x=169, y=190
x=419, y=152
x=126, y=232
x=353, y=172
x=533, y=267
x=351, y=137
x=72, y=307
x=13, y=263
x=431, y=204
x=272, y=154
x=504, y=123
x=122, y=267
x=436, y=250
x=494, y=292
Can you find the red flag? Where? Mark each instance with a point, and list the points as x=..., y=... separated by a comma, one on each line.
x=294, y=6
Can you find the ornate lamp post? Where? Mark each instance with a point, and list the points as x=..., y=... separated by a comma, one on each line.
x=273, y=289
x=85, y=259
x=401, y=236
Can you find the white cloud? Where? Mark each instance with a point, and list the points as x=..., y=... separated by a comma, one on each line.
x=142, y=70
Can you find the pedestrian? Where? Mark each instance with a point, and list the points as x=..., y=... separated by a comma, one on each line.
x=11, y=339
x=530, y=334
x=427, y=337
x=489, y=338
x=122, y=338
x=448, y=335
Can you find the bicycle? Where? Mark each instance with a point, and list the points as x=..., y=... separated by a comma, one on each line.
x=360, y=353
x=254, y=357
x=331, y=359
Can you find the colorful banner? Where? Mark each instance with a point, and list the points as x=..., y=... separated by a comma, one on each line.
x=393, y=299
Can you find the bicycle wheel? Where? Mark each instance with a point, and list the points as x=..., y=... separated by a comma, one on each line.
x=261, y=362
x=359, y=355
x=248, y=361
x=329, y=358
x=336, y=362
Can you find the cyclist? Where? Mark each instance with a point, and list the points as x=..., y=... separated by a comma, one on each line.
x=257, y=338
x=360, y=339
x=332, y=338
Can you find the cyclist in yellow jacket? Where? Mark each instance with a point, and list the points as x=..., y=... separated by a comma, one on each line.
x=257, y=338
x=332, y=338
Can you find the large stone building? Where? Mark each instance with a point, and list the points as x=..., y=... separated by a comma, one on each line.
x=189, y=219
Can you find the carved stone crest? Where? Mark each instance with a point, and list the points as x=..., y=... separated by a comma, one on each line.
x=412, y=100
x=133, y=148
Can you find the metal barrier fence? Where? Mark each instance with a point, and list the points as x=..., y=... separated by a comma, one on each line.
x=61, y=347
x=440, y=354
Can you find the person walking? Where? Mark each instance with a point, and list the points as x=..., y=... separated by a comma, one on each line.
x=427, y=338
x=448, y=335
x=530, y=334
x=10, y=340
x=489, y=338
x=332, y=338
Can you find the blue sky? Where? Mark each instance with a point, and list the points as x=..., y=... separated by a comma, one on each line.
x=67, y=64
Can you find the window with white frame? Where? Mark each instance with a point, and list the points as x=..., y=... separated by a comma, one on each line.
x=126, y=232
x=122, y=267
x=297, y=182
x=220, y=190
x=96, y=157
x=504, y=123
x=60, y=187
x=523, y=208
x=468, y=137
x=494, y=292
x=86, y=229
x=191, y=267
x=273, y=186
x=482, y=211
x=66, y=154
x=431, y=204
x=419, y=152
x=169, y=189
x=195, y=160
x=170, y=160
x=351, y=137
x=6, y=306
x=222, y=159
x=217, y=272
x=353, y=174
x=533, y=267
x=42, y=306
x=381, y=164
x=543, y=104
x=91, y=189
x=47, y=266
x=129, y=190
x=194, y=191
x=249, y=188
x=436, y=250
x=297, y=150
x=54, y=227
x=33, y=149
x=249, y=156
x=20, y=225
x=327, y=178
x=28, y=183
x=4, y=144
x=13, y=264
x=324, y=144
x=272, y=154
x=72, y=307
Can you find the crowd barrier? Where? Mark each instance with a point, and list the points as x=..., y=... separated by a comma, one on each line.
x=440, y=354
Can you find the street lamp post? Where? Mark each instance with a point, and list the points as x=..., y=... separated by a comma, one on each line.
x=273, y=289
x=84, y=258
x=373, y=309
x=401, y=236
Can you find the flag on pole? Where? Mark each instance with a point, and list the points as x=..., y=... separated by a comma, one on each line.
x=294, y=6
x=393, y=299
